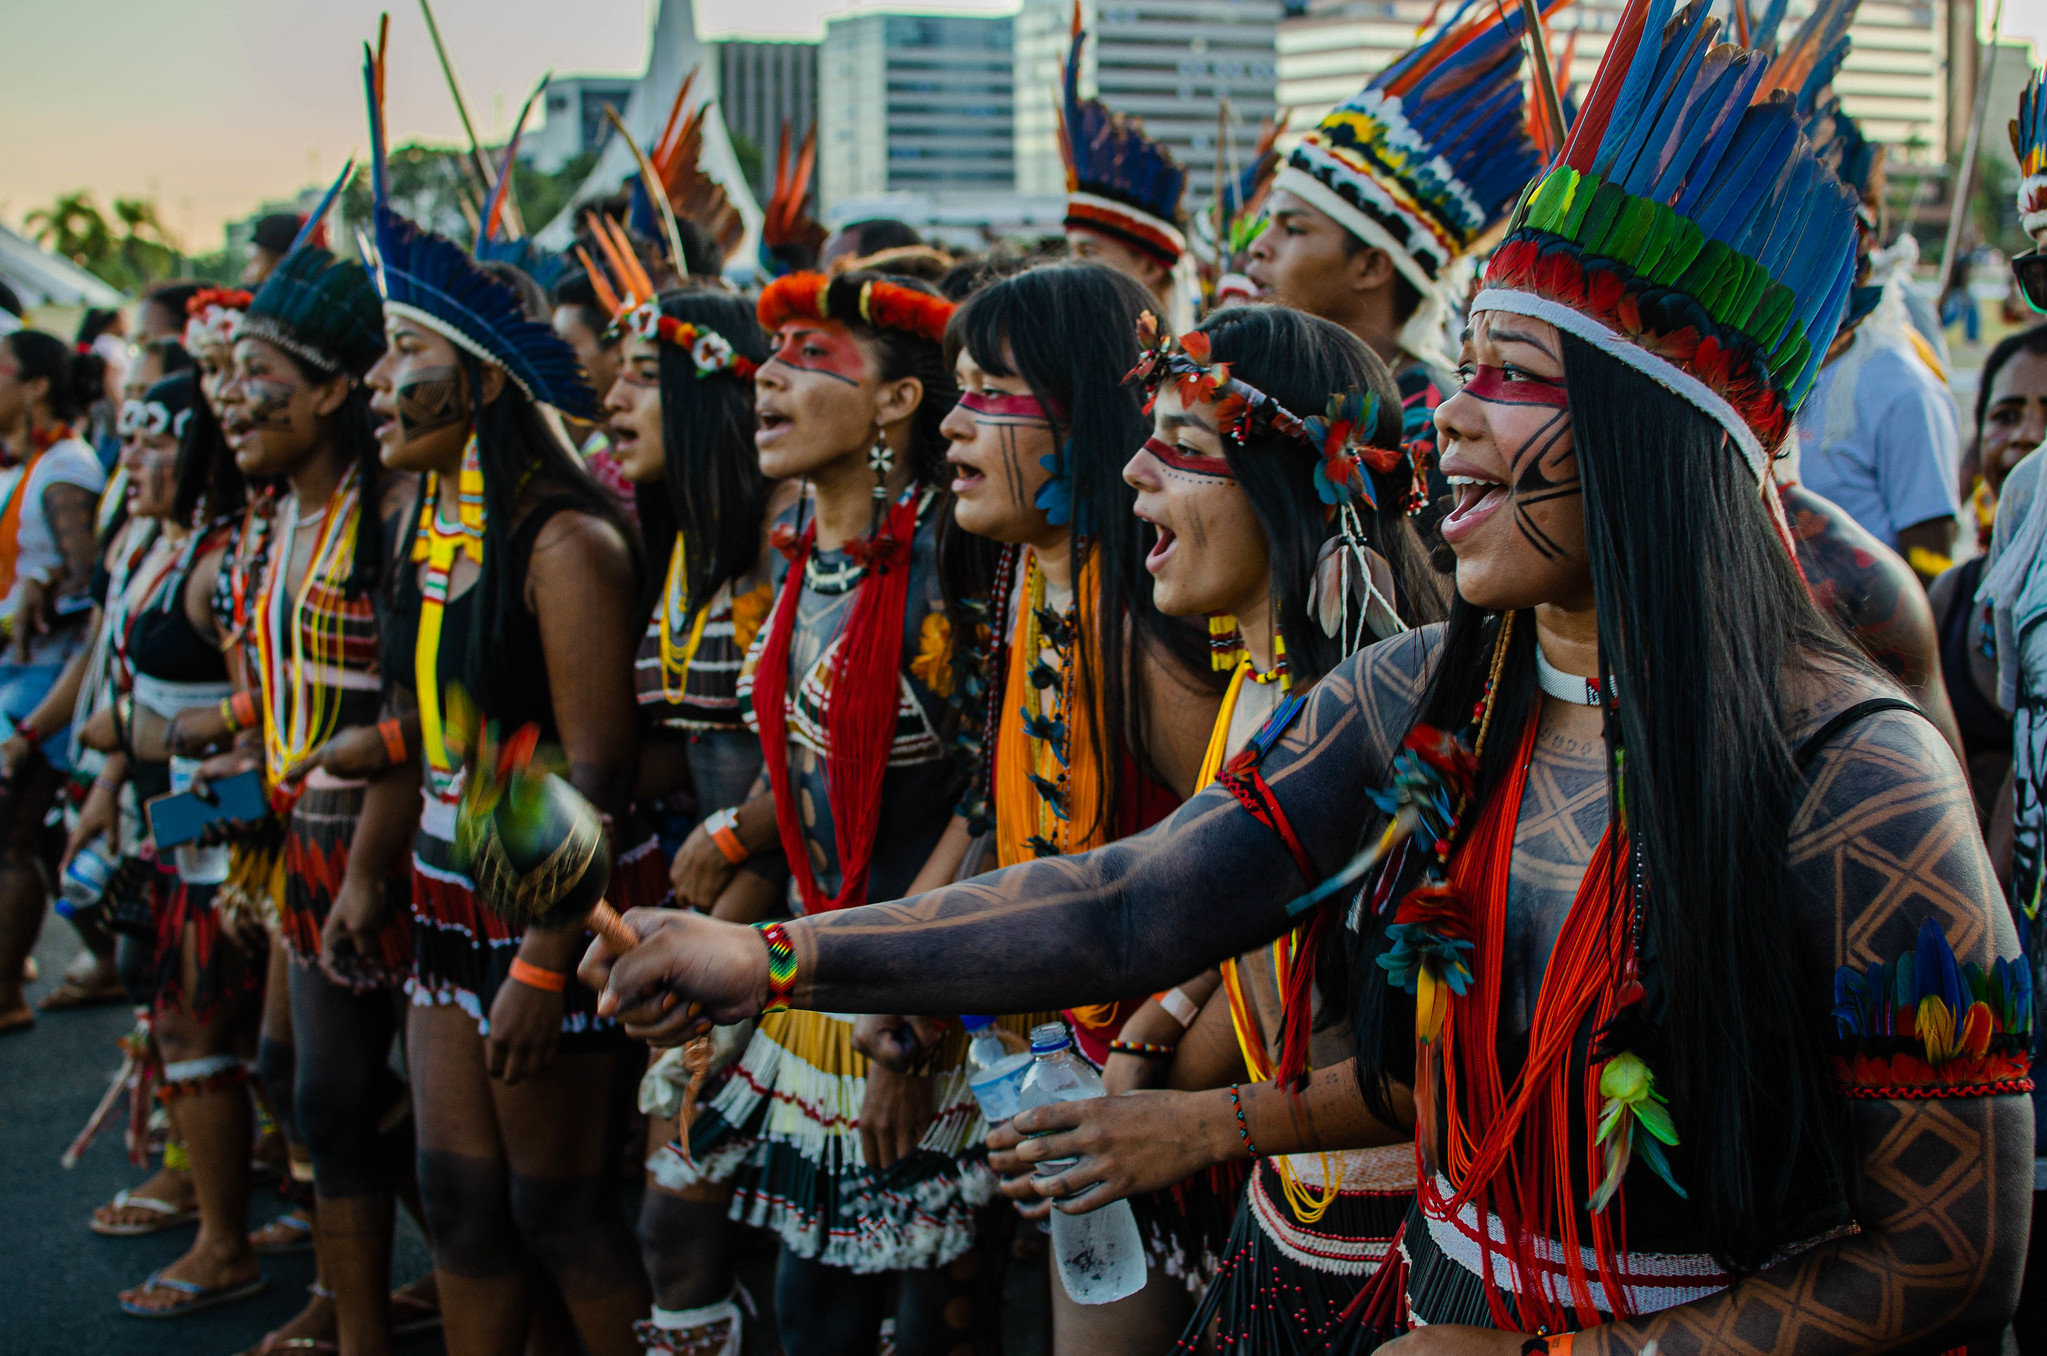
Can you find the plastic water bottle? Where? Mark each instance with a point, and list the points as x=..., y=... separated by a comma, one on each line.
x=1100, y=1254
x=85, y=879
x=995, y=1072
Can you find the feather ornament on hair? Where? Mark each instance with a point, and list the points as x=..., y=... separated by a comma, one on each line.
x=790, y=236
x=310, y=227
x=2029, y=144
x=493, y=240
x=692, y=195
x=433, y=282
x=1119, y=180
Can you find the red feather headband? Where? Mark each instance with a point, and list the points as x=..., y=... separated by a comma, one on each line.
x=882, y=305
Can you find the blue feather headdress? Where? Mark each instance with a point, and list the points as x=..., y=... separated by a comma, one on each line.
x=1432, y=153
x=493, y=242
x=319, y=309
x=433, y=281
x=1689, y=229
x=1118, y=180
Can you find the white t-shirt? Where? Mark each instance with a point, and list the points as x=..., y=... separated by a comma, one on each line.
x=69, y=462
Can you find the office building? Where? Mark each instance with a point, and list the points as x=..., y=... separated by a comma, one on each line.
x=762, y=86
x=1169, y=62
x=915, y=103
x=574, y=118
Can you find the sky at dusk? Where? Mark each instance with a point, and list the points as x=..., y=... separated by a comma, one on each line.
x=211, y=106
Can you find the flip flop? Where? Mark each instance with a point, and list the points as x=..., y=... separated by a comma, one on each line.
x=199, y=1297
x=288, y=1233
x=168, y=1216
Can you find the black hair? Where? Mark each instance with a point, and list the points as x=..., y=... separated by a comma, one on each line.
x=174, y=297
x=1702, y=617
x=96, y=321
x=355, y=444
x=521, y=457
x=701, y=256
x=1071, y=332
x=712, y=492
x=1407, y=298
x=1300, y=361
x=574, y=291
x=2032, y=340
x=74, y=384
x=171, y=355
x=879, y=233
x=275, y=232
x=209, y=483
x=533, y=298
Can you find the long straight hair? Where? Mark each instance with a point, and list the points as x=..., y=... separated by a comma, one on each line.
x=1301, y=361
x=209, y=485
x=1070, y=331
x=354, y=430
x=1702, y=617
x=712, y=492
x=521, y=457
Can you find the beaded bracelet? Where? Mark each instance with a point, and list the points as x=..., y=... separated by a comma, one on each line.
x=1237, y=1105
x=1142, y=1049
x=781, y=966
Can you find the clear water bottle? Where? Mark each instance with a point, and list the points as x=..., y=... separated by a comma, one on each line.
x=1100, y=1254
x=85, y=878
x=995, y=1072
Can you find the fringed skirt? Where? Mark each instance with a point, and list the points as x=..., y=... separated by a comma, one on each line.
x=785, y=1131
x=1285, y=1286
x=314, y=862
x=229, y=966
x=1186, y=1227
x=462, y=951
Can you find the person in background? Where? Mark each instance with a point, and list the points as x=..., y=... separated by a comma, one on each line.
x=49, y=487
x=1879, y=433
x=2011, y=420
x=858, y=239
x=1351, y=238
x=268, y=246
x=164, y=309
x=581, y=322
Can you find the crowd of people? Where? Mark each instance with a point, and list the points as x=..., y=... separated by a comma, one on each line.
x=1457, y=701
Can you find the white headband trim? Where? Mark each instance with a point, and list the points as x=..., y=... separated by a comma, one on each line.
x=1325, y=199
x=455, y=336
x=1659, y=370
x=1136, y=214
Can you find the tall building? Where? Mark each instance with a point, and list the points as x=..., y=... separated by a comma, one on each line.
x=1894, y=81
x=915, y=102
x=763, y=86
x=575, y=122
x=1168, y=62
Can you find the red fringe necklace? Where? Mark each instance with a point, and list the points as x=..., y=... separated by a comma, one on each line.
x=860, y=705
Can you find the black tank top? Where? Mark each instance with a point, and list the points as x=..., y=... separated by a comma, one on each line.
x=1985, y=729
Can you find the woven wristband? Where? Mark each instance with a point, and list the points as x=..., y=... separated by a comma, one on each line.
x=533, y=977
x=719, y=824
x=394, y=740
x=781, y=966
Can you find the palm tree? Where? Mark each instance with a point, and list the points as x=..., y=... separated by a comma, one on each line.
x=145, y=246
x=73, y=227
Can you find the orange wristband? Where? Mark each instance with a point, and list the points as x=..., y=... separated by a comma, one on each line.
x=719, y=824
x=533, y=977
x=241, y=710
x=394, y=740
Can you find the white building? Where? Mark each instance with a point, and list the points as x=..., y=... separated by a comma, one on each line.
x=1168, y=62
x=1893, y=83
x=573, y=118
x=916, y=103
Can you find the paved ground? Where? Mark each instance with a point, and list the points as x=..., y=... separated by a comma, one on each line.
x=59, y=1279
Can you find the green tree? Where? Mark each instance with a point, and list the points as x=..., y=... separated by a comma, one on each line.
x=73, y=227
x=145, y=249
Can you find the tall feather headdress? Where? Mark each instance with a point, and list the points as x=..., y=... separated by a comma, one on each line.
x=1689, y=229
x=692, y=195
x=1118, y=180
x=431, y=280
x=494, y=239
x=790, y=236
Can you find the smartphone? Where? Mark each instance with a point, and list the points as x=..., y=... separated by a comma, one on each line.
x=180, y=817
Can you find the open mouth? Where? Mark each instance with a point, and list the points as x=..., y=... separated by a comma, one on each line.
x=966, y=477
x=1476, y=500
x=1155, y=559
x=769, y=425
x=623, y=437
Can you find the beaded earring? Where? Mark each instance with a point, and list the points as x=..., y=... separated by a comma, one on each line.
x=1225, y=642
x=881, y=459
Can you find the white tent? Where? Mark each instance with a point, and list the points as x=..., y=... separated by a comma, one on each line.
x=672, y=54
x=41, y=278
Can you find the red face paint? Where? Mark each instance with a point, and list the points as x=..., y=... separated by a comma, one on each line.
x=820, y=346
x=1193, y=463
x=998, y=406
x=1490, y=384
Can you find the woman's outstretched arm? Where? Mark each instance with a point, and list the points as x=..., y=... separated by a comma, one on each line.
x=1139, y=914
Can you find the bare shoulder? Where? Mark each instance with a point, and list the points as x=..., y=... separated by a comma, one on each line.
x=1369, y=701
x=579, y=539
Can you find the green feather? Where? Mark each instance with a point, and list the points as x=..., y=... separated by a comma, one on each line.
x=1551, y=199
x=1631, y=231
x=1599, y=217
x=1703, y=274
x=1767, y=323
x=1588, y=187
x=1684, y=248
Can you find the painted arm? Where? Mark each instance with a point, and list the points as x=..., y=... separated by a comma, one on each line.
x=1886, y=840
x=1132, y=917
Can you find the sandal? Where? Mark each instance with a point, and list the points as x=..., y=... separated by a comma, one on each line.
x=168, y=1216
x=288, y=1233
x=198, y=1297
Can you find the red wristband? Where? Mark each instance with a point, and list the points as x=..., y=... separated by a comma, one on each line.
x=29, y=735
x=533, y=977
x=719, y=824
x=394, y=740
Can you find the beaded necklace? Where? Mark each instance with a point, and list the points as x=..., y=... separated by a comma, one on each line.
x=675, y=658
x=299, y=711
x=1049, y=733
x=437, y=545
